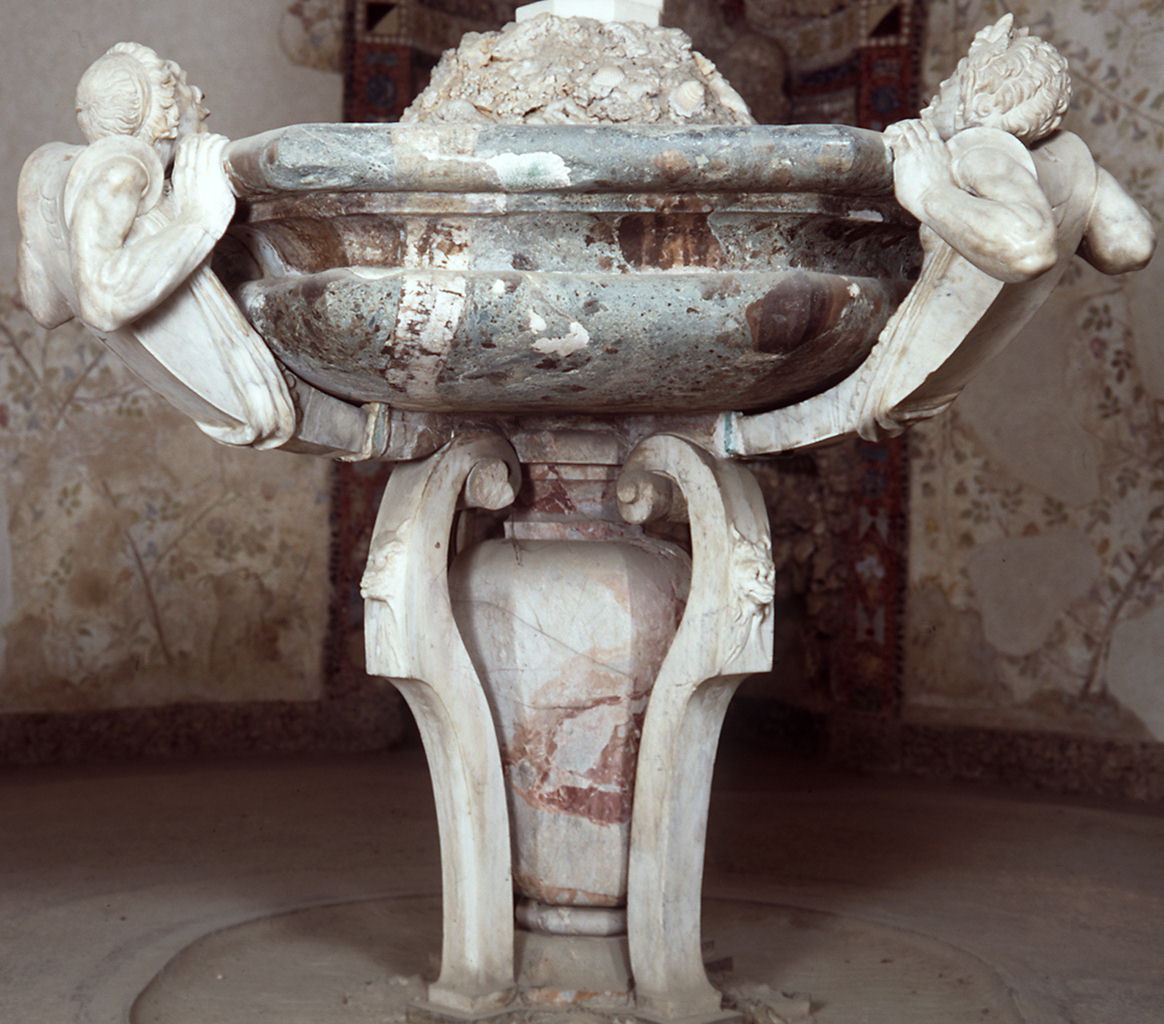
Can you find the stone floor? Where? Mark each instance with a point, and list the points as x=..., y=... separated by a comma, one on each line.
x=866, y=900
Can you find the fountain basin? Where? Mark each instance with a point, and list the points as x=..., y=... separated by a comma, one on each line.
x=580, y=269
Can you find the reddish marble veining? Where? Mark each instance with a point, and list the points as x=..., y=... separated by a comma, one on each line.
x=568, y=637
x=603, y=793
x=570, y=501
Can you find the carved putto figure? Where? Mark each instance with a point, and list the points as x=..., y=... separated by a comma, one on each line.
x=960, y=168
x=117, y=234
x=988, y=171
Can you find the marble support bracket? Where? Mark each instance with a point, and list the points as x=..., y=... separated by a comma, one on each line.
x=725, y=634
x=412, y=640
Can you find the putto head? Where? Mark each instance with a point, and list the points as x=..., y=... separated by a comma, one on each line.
x=1009, y=80
x=130, y=90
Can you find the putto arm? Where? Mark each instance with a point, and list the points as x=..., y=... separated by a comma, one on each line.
x=979, y=193
x=122, y=268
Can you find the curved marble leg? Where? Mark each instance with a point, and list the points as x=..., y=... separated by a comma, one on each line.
x=413, y=640
x=725, y=635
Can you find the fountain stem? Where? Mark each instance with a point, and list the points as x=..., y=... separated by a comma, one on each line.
x=569, y=686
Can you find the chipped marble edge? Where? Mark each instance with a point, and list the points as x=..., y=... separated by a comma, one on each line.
x=834, y=159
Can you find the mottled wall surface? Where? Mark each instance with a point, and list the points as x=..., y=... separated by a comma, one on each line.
x=140, y=563
x=1037, y=510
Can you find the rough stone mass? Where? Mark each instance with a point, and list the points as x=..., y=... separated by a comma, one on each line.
x=551, y=70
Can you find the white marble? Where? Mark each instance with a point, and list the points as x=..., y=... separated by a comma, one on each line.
x=413, y=640
x=725, y=635
x=484, y=693
x=646, y=11
x=1006, y=199
x=118, y=233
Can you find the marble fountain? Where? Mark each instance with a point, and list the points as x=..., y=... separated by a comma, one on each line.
x=568, y=338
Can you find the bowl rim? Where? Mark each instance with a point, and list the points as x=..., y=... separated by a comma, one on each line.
x=521, y=158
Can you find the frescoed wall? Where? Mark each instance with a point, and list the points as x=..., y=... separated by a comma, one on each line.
x=140, y=563
x=1036, y=593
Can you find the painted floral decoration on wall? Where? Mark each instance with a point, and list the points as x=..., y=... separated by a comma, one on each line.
x=1037, y=590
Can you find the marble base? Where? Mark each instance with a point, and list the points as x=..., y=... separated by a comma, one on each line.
x=591, y=971
x=427, y=1013
x=365, y=962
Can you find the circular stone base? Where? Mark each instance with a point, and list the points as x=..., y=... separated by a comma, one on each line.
x=365, y=962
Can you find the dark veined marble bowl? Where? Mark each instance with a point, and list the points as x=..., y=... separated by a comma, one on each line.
x=595, y=269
